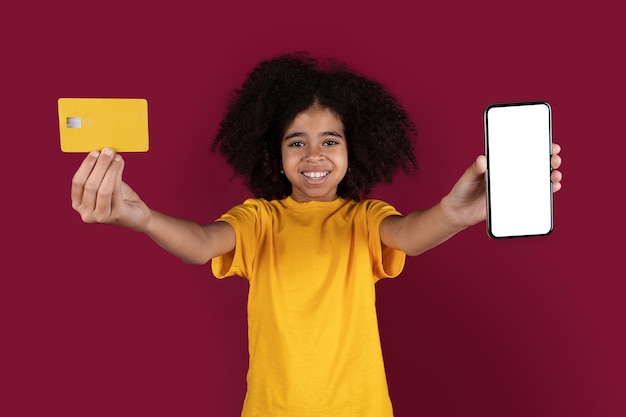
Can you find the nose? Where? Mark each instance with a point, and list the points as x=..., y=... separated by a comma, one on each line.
x=314, y=153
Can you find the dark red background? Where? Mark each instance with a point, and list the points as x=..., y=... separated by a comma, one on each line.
x=99, y=321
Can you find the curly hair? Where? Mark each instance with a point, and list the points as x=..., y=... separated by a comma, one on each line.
x=378, y=131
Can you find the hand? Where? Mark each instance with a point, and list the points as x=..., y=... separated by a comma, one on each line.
x=100, y=195
x=465, y=205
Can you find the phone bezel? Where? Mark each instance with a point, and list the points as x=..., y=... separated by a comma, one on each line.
x=489, y=225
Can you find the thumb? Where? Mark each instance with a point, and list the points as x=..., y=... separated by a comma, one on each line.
x=480, y=165
x=477, y=170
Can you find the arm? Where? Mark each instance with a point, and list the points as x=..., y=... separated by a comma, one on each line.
x=462, y=207
x=100, y=196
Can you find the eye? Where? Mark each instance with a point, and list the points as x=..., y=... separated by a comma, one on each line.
x=296, y=144
x=330, y=142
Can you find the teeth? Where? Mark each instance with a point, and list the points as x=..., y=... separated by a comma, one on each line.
x=315, y=175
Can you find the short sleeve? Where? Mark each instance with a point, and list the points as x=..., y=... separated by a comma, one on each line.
x=386, y=262
x=244, y=219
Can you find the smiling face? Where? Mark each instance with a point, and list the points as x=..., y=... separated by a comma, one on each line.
x=315, y=155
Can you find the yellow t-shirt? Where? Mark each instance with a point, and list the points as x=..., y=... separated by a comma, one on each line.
x=312, y=328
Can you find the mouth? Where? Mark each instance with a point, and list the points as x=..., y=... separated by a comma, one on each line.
x=316, y=175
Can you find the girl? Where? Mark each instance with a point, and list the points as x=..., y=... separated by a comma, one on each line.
x=311, y=139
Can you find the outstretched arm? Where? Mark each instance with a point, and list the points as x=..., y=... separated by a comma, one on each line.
x=464, y=206
x=100, y=196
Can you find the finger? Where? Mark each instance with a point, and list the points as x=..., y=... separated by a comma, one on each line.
x=95, y=178
x=480, y=165
x=555, y=161
x=476, y=171
x=556, y=149
x=117, y=167
x=80, y=177
x=108, y=190
x=556, y=177
x=474, y=174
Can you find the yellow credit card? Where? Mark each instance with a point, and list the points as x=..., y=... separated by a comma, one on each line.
x=89, y=124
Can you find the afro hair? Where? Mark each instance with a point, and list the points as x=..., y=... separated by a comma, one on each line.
x=378, y=131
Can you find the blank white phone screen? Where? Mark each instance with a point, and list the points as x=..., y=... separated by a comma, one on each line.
x=518, y=146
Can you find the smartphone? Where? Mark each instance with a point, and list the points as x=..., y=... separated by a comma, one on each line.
x=88, y=124
x=518, y=147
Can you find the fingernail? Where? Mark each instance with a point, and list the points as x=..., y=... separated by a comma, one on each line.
x=94, y=154
x=107, y=151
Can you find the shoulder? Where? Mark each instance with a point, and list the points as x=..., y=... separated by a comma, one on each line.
x=251, y=209
x=370, y=211
x=373, y=206
x=255, y=204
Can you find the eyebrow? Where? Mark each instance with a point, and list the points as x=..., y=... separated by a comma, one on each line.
x=329, y=133
x=293, y=135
